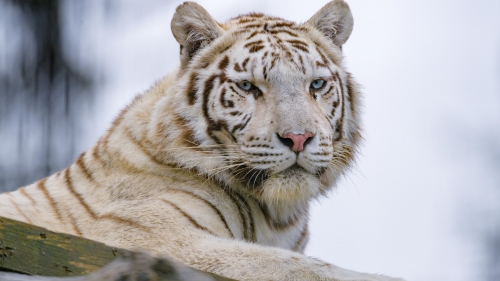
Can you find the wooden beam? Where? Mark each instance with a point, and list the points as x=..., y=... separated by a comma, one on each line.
x=33, y=250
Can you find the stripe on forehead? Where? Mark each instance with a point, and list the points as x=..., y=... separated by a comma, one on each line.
x=287, y=48
x=255, y=23
x=248, y=26
x=283, y=36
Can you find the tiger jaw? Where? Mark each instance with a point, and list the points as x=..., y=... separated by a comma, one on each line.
x=296, y=169
x=300, y=164
x=292, y=185
x=294, y=177
x=289, y=187
x=254, y=178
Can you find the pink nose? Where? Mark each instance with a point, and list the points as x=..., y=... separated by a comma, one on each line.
x=298, y=140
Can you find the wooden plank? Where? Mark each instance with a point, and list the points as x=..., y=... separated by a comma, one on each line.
x=33, y=250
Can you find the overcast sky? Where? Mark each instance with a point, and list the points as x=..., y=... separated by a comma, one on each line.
x=426, y=190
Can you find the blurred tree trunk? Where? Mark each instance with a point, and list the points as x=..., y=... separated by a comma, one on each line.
x=493, y=240
x=41, y=106
x=493, y=267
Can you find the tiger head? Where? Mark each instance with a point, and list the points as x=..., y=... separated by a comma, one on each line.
x=264, y=104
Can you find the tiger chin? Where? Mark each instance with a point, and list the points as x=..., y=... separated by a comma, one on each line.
x=215, y=166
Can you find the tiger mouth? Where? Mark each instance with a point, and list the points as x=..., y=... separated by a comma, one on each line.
x=254, y=178
x=295, y=168
x=251, y=177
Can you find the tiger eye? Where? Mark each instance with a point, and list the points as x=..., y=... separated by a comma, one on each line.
x=245, y=85
x=317, y=84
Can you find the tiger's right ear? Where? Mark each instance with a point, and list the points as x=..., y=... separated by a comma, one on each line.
x=194, y=29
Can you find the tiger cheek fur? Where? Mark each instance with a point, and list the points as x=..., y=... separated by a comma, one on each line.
x=216, y=164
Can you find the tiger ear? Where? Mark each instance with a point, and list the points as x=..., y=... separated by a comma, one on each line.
x=194, y=29
x=335, y=21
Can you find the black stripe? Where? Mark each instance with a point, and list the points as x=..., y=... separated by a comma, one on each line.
x=253, y=237
x=323, y=57
x=238, y=205
x=96, y=154
x=284, y=31
x=253, y=34
x=93, y=214
x=124, y=221
x=14, y=203
x=300, y=47
x=69, y=183
x=25, y=194
x=298, y=42
x=304, y=235
x=214, y=208
x=224, y=63
x=339, y=121
x=252, y=25
x=80, y=162
x=282, y=24
x=241, y=126
x=192, y=89
x=272, y=63
x=53, y=203
x=225, y=103
x=275, y=224
x=237, y=68
x=302, y=64
x=191, y=220
x=251, y=44
x=244, y=64
x=256, y=48
x=236, y=92
x=75, y=226
x=151, y=157
x=208, y=86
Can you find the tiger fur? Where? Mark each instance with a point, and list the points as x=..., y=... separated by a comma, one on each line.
x=216, y=164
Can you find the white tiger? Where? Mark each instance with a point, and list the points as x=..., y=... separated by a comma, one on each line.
x=216, y=164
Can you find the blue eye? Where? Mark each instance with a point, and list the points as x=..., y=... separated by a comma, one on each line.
x=317, y=84
x=245, y=85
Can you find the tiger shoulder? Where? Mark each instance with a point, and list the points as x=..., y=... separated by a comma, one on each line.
x=216, y=165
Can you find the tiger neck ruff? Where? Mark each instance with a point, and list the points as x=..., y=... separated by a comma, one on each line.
x=216, y=164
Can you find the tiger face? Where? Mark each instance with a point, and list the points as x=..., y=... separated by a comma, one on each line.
x=271, y=97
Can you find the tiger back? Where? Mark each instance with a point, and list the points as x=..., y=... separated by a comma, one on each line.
x=216, y=164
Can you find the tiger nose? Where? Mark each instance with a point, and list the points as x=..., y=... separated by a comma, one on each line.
x=298, y=141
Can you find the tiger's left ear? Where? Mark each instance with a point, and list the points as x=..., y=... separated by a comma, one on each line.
x=335, y=21
x=193, y=28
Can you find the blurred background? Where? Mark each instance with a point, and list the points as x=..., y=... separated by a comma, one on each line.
x=424, y=199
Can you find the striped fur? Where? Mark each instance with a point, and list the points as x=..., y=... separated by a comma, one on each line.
x=198, y=167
